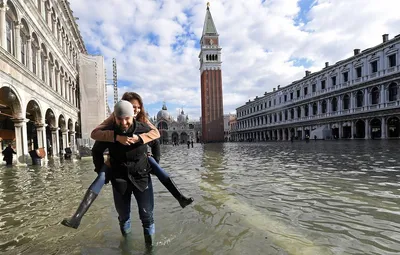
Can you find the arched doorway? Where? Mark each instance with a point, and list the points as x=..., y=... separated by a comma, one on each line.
x=335, y=131
x=393, y=126
x=347, y=130
x=164, y=137
x=35, y=117
x=360, y=129
x=175, y=138
x=62, y=139
x=51, y=136
x=71, y=136
x=376, y=131
x=184, y=137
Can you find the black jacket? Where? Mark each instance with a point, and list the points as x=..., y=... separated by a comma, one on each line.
x=155, y=149
x=128, y=163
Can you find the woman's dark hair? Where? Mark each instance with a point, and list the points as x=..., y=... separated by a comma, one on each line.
x=129, y=96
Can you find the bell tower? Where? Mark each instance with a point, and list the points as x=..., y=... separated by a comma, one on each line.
x=212, y=108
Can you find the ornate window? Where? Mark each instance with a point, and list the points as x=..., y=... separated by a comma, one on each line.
x=360, y=98
x=375, y=95
x=315, y=109
x=346, y=102
x=334, y=104
x=323, y=105
x=392, y=92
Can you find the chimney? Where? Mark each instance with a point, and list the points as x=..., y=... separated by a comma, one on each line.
x=308, y=73
x=385, y=37
x=274, y=89
x=356, y=52
x=279, y=87
x=326, y=64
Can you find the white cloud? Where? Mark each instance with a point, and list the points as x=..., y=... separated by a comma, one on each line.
x=257, y=38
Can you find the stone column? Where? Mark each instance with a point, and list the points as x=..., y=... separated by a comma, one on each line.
x=53, y=76
x=62, y=80
x=65, y=87
x=17, y=31
x=55, y=143
x=54, y=26
x=383, y=95
x=383, y=128
x=352, y=129
x=72, y=141
x=29, y=52
x=49, y=12
x=39, y=63
x=65, y=139
x=340, y=124
x=59, y=30
x=41, y=136
x=319, y=108
x=42, y=8
x=3, y=27
x=367, y=129
x=21, y=139
x=303, y=133
x=46, y=70
x=366, y=96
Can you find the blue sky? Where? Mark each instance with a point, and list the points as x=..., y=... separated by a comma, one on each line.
x=264, y=43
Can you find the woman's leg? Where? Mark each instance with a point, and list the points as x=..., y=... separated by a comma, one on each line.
x=90, y=196
x=167, y=181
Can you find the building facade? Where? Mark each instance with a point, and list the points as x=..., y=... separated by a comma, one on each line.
x=228, y=120
x=178, y=131
x=355, y=98
x=212, y=108
x=39, y=88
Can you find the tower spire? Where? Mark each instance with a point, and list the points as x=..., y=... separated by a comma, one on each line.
x=209, y=26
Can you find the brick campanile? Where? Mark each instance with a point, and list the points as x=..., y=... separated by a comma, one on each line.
x=212, y=108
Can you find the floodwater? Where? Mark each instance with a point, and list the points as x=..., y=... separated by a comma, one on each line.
x=324, y=197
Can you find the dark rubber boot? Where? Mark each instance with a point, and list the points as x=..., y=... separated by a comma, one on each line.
x=75, y=220
x=171, y=187
x=149, y=241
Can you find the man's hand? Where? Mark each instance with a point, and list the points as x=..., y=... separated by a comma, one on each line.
x=126, y=140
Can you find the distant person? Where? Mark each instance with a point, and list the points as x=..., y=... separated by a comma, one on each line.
x=315, y=138
x=191, y=142
x=188, y=144
x=8, y=154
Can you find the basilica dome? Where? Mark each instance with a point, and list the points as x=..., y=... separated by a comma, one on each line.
x=182, y=117
x=163, y=113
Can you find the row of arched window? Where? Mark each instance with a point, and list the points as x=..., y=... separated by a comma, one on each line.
x=392, y=91
x=312, y=109
x=213, y=57
x=25, y=44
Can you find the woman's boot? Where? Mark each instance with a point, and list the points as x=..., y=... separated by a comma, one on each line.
x=75, y=220
x=171, y=187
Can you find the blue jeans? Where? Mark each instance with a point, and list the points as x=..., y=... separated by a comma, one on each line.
x=157, y=170
x=98, y=183
x=145, y=202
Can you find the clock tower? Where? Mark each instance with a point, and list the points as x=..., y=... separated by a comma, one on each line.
x=212, y=108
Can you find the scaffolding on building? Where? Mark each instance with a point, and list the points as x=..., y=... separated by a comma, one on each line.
x=114, y=84
x=115, y=81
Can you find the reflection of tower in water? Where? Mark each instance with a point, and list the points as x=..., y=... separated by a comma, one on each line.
x=213, y=157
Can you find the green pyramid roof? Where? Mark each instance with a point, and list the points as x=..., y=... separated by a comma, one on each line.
x=209, y=26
